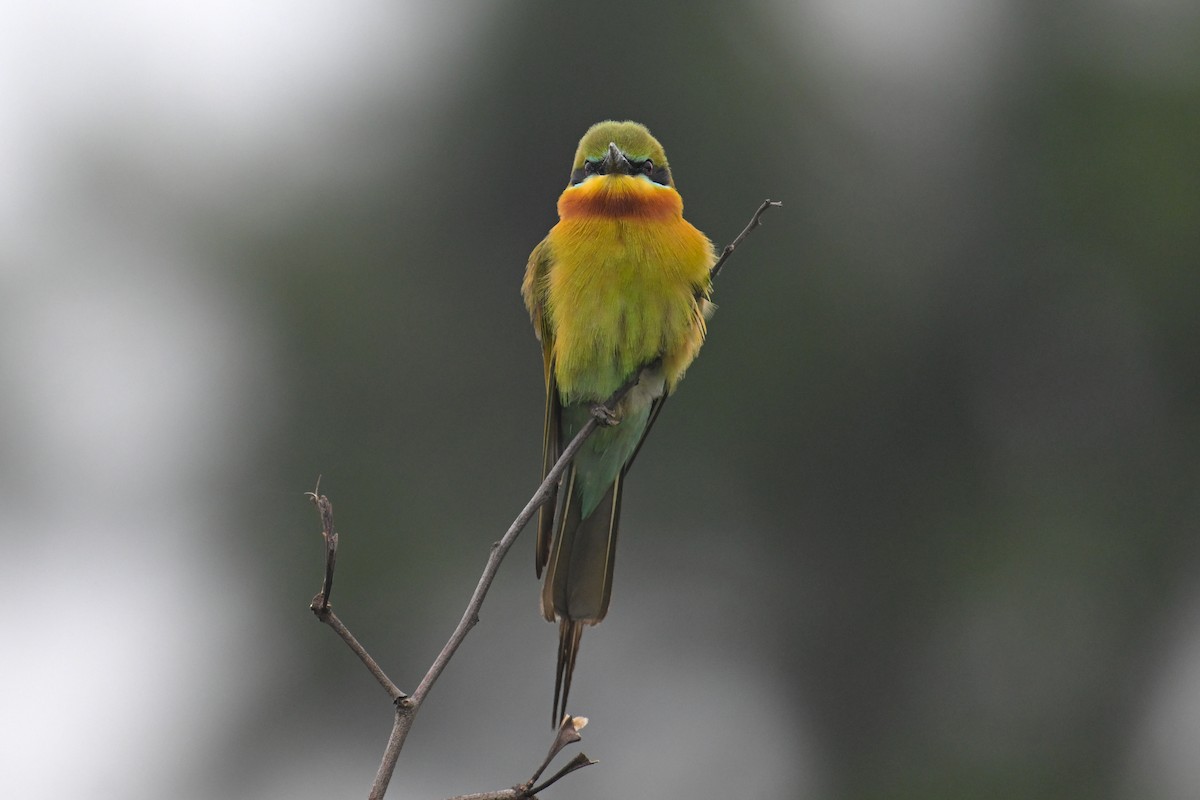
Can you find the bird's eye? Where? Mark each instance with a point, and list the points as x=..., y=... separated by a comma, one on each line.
x=648, y=167
x=589, y=167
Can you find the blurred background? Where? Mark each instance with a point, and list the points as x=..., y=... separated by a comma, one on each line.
x=921, y=522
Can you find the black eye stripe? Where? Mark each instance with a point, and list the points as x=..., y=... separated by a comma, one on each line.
x=659, y=174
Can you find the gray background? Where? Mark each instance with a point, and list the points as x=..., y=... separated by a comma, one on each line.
x=919, y=523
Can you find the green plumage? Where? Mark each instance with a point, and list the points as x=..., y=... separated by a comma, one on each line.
x=605, y=453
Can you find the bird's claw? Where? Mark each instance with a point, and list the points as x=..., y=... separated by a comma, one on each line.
x=605, y=415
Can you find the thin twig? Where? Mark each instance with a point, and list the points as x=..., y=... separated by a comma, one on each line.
x=568, y=733
x=755, y=221
x=325, y=512
x=331, y=619
x=578, y=762
x=320, y=604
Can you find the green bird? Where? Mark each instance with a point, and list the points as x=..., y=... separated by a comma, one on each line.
x=619, y=288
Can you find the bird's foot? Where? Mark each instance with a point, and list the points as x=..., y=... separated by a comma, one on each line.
x=605, y=415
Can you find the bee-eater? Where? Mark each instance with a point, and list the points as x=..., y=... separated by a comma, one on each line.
x=619, y=288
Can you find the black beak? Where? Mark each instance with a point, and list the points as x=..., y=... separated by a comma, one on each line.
x=615, y=161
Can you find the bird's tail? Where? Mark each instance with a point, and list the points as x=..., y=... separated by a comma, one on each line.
x=578, y=583
x=569, y=634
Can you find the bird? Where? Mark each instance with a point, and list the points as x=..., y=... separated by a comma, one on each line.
x=619, y=290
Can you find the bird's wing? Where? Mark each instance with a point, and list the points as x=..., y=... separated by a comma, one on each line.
x=655, y=408
x=703, y=310
x=534, y=291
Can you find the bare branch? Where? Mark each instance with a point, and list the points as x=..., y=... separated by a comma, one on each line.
x=578, y=762
x=568, y=733
x=320, y=604
x=755, y=221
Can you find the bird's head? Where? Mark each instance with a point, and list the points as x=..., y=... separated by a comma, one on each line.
x=611, y=149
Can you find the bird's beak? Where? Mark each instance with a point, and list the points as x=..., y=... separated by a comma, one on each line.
x=615, y=161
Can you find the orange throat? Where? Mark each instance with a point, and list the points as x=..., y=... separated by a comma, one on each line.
x=619, y=197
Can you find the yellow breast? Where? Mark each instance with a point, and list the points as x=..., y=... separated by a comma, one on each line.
x=627, y=284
